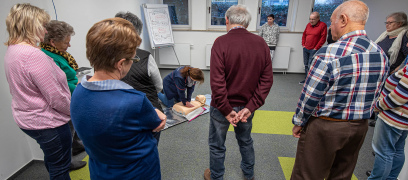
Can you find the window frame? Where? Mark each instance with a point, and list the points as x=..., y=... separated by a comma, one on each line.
x=313, y=9
x=290, y=21
x=208, y=12
x=183, y=27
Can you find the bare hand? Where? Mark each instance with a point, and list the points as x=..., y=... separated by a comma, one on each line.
x=163, y=118
x=244, y=114
x=232, y=118
x=189, y=105
x=296, y=131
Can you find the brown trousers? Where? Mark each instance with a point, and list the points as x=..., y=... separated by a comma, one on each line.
x=328, y=149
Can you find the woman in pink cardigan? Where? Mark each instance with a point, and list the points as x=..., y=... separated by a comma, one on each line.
x=39, y=89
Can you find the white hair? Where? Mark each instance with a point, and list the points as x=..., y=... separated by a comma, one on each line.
x=238, y=14
x=354, y=9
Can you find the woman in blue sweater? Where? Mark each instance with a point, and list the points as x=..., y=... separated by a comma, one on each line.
x=115, y=121
x=177, y=83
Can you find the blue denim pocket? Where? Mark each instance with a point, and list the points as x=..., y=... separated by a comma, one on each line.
x=217, y=115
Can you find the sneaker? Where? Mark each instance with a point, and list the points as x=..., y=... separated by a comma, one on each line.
x=302, y=82
x=207, y=174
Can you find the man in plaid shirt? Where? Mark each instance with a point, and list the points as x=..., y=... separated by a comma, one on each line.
x=337, y=98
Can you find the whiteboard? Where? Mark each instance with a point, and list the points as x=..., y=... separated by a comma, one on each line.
x=158, y=25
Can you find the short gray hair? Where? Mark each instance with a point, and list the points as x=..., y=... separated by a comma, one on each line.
x=132, y=18
x=58, y=31
x=238, y=14
x=399, y=17
x=317, y=14
x=354, y=9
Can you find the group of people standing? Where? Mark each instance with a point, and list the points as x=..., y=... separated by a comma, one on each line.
x=114, y=115
x=346, y=82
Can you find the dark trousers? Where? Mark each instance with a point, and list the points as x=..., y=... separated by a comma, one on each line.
x=217, y=135
x=328, y=149
x=308, y=58
x=76, y=142
x=56, y=146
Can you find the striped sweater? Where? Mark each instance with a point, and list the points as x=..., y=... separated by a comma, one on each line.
x=393, y=102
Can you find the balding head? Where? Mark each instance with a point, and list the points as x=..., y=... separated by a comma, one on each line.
x=314, y=18
x=355, y=10
x=349, y=16
x=316, y=14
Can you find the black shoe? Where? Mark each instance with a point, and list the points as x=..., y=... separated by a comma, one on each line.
x=302, y=82
x=373, y=153
x=372, y=123
x=77, y=150
x=77, y=165
x=368, y=173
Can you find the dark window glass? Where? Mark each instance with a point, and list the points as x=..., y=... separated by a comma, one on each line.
x=178, y=10
x=279, y=8
x=325, y=8
x=218, y=9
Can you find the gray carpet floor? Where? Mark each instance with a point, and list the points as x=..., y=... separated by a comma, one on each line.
x=184, y=152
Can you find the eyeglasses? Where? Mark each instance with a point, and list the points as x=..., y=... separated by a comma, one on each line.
x=388, y=23
x=135, y=59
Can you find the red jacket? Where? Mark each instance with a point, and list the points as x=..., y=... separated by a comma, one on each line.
x=314, y=36
x=240, y=71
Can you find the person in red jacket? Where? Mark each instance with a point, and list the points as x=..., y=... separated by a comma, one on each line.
x=313, y=39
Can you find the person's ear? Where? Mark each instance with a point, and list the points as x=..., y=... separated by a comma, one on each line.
x=119, y=65
x=226, y=20
x=52, y=42
x=343, y=19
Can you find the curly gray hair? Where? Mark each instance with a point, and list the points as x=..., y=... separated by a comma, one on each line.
x=58, y=31
x=132, y=18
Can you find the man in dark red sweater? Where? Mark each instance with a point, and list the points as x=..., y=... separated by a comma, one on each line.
x=241, y=78
x=313, y=39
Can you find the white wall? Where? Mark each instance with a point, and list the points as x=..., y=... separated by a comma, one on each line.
x=200, y=37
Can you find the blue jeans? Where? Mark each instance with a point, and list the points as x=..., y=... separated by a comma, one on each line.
x=218, y=131
x=56, y=145
x=165, y=101
x=388, y=144
x=307, y=59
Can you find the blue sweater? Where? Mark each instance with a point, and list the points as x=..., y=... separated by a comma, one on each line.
x=174, y=86
x=115, y=125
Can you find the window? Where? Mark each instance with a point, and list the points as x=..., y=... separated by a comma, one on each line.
x=179, y=13
x=325, y=9
x=279, y=8
x=217, y=10
x=283, y=11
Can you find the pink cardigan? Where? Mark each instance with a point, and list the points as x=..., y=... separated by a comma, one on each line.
x=39, y=88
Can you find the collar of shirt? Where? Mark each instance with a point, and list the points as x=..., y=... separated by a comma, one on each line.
x=352, y=34
x=237, y=27
x=317, y=24
x=111, y=84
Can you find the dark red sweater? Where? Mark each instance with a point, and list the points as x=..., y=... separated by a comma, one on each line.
x=314, y=36
x=240, y=71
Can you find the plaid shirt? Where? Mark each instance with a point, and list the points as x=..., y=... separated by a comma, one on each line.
x=344, y=80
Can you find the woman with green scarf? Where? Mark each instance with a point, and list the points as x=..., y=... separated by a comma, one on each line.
x=55, y=45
